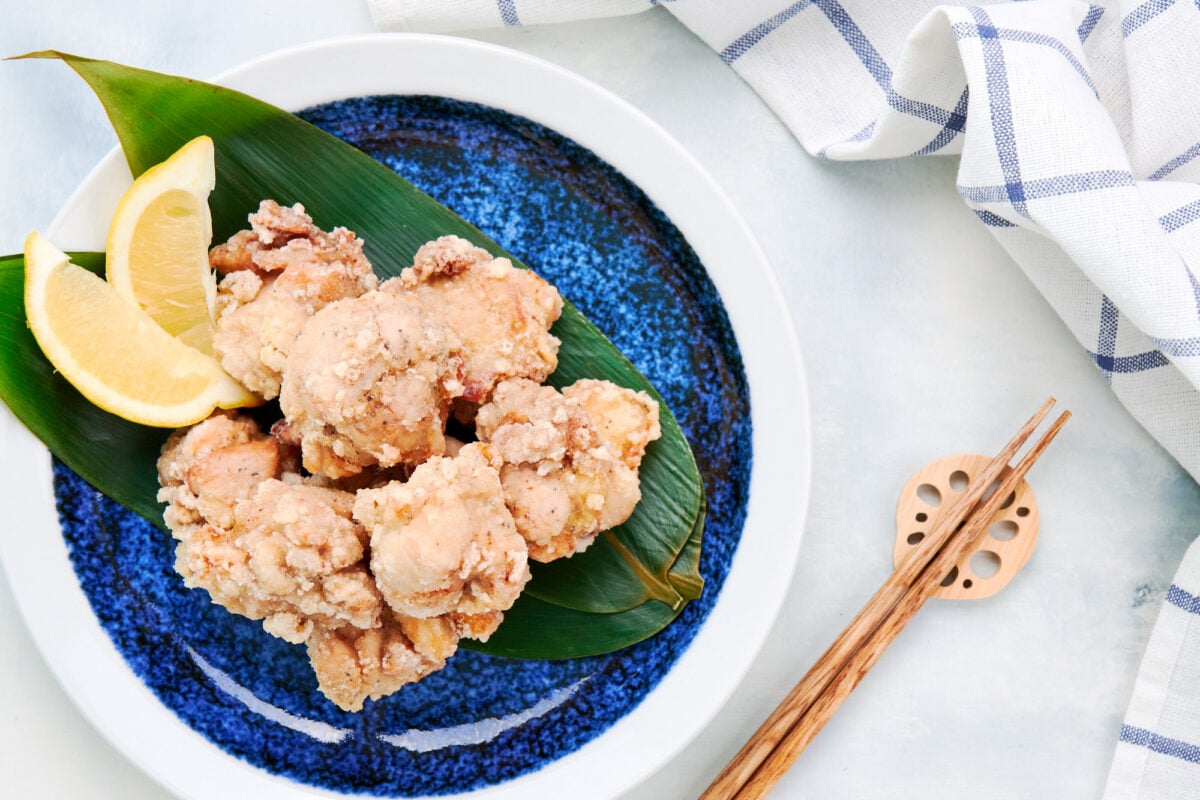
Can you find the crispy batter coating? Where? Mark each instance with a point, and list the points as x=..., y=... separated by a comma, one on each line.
x=369, y=382
x=286, y=553
x=277, y=275
x=354, y=664
x=206, y=469
x=444, y=544
x=502, y=315
x=624, y=420
x=271, y=227
x=562, y=480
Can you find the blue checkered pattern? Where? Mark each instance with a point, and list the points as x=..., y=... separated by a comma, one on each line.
x=1140, y=737
x=1083, y=122
x=1159, y=752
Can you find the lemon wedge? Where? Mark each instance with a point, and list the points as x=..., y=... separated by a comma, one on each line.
x=157, y=252
x=113, y=352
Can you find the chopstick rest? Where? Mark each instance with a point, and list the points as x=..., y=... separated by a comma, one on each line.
x=959, y=523
x=1012, y=530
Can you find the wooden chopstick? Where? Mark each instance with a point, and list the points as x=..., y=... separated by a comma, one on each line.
x=793, y=707
x=783, y=736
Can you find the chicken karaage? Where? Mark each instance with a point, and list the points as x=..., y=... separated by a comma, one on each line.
x=500, y=314
x=443, y=544
x=566, y=478
x=357, y=526
x=277, y=275
x=263, y=547
x=369, y=382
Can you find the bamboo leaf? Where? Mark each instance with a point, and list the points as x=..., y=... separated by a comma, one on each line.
x=612, y=579
x=536, y=629
x=264, y=152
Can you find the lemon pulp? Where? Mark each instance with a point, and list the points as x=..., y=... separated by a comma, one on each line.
x=157, y=252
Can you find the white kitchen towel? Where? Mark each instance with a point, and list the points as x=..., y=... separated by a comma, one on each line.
x=1078, y=127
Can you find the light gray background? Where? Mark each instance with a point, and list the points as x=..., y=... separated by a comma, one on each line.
x=922, y=339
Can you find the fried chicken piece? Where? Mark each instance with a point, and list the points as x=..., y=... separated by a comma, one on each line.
x=285, y=553
x=272, y=226
x=277, y=275
x=502, y=315
x=369, y=382
x=443, y=545
x=305, y=557
x=561, y=478
x=624, y=420
x=352, y=664
x=206, y=469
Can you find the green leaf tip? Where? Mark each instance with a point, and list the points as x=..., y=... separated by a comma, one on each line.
x=49, y=54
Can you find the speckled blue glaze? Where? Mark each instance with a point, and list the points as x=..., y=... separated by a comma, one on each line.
x=590, y=231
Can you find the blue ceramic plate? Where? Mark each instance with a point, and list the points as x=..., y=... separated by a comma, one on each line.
x=636, y=264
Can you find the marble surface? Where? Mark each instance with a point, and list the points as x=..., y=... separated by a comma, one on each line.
x=922, y=338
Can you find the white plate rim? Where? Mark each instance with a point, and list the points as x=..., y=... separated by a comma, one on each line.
x=119, y=705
